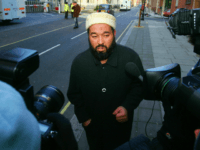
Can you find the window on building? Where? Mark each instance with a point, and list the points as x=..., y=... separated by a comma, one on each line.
x=88, y=1
x=176, y=2
x=188, y=1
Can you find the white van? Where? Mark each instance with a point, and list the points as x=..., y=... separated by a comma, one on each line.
x=125, y=5
x=12, y=9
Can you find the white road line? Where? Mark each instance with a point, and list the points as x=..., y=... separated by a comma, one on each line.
x=78, y=35
x=118, y=16
x=49, y=49
x=137, y=14
x=48, y=14
x=124, y=31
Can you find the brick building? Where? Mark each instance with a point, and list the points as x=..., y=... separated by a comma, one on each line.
x=156, y=5
x=188, y=4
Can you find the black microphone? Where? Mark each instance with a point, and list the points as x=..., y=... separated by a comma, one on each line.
x=133, y=70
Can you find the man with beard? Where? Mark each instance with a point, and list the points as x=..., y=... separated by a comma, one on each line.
x=103, y=93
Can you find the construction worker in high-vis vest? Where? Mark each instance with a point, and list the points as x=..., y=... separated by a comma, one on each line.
x=72, y=10
x=66, y=10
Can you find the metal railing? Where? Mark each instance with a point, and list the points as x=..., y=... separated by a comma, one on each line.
x=34, y=6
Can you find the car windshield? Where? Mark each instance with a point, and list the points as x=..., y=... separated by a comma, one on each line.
x=104, y=7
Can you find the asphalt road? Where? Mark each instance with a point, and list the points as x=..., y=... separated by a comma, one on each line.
x=57, y=44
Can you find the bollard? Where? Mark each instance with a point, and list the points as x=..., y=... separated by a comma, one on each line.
x=59, y=8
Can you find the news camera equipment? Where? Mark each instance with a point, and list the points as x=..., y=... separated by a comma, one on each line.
x=186, y=22
x=16, y=66
x=166, y=82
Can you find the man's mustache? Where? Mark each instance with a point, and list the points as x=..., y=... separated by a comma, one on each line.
x=101, y=46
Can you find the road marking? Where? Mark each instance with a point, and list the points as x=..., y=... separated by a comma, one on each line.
x=156, y=26
x=49, y=49
x=78, y=35
x=65, y=108
x=124, y=30
x=136, y=14
x=38, y=35
x=48, y=14
x=118, y=16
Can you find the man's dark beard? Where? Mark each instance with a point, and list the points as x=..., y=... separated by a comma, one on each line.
x=101, y=55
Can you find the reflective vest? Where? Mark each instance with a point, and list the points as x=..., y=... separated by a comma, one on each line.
x=72, y=10
x=66, y=7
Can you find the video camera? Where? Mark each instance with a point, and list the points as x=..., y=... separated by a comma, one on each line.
x=15, y=67
x=185, y=22
x=165, y=81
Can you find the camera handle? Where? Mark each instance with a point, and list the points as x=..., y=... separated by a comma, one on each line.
x=26, y=90
x=197, y=44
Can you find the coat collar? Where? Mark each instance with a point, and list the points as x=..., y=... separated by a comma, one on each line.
x=112, y=60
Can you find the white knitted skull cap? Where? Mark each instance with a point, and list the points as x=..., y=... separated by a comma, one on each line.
x=101, y=17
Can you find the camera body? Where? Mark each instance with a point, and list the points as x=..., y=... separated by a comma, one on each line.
x=16, y=66
x=165, y=82
x=185, y=22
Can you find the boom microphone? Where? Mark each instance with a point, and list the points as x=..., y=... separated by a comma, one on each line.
x=133, y=70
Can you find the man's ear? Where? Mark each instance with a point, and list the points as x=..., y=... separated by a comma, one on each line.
x=114, y=32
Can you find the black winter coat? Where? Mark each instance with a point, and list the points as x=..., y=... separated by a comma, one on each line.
x=96, y=90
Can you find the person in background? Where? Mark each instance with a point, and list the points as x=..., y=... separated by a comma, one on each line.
x=72, y=10
x=76, y=8
x=66, y=10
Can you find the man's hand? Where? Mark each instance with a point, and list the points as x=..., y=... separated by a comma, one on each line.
x=87, y=123
x=121, y=114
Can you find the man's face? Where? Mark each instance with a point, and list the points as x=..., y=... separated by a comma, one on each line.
x=101, y=40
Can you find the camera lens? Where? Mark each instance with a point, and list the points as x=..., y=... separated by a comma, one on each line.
x=47, y=100
x=168, y=85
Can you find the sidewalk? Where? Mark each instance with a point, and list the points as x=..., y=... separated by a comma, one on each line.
x=152, y=14
x=156, y=47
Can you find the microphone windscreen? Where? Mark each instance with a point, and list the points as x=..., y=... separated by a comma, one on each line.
x=132, y=69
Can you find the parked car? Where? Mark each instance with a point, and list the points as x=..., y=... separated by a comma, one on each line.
x=106, y=8
x=166, y=13
x=177, y=10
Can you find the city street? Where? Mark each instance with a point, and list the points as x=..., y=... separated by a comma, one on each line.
x=57, y=44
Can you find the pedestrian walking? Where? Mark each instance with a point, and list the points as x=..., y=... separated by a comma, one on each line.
x=76, y=8
x=103, y=93
x=72, y=10
x=66, y=10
